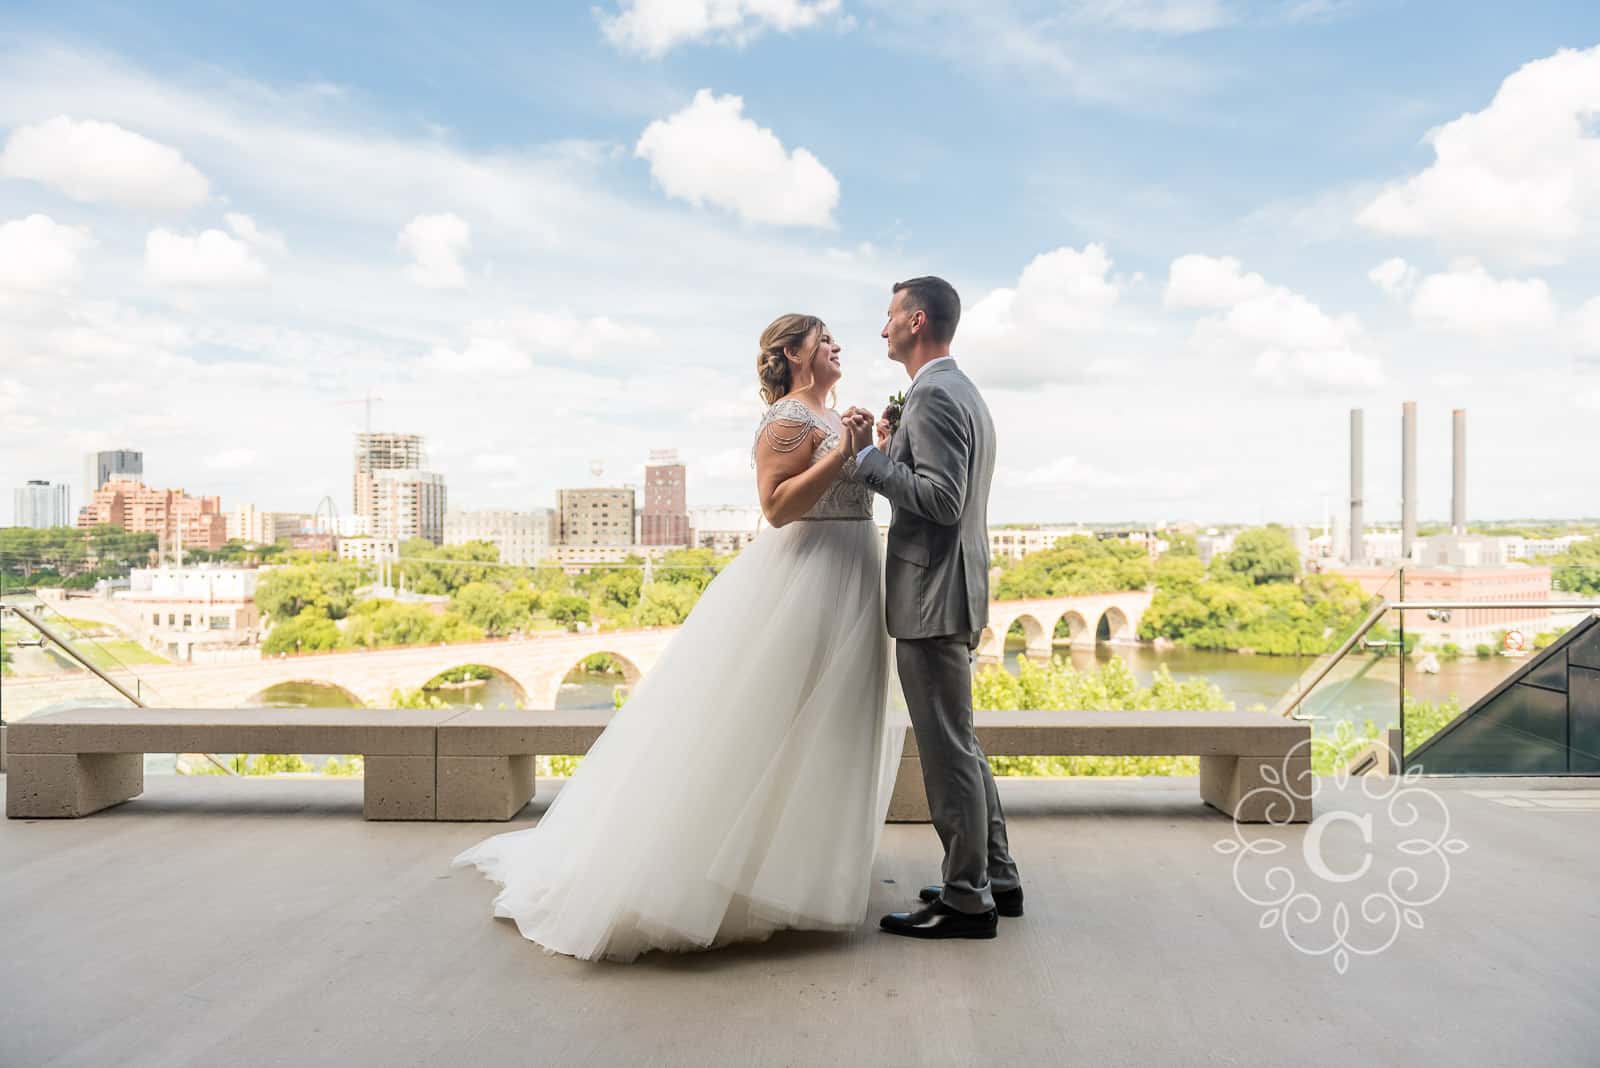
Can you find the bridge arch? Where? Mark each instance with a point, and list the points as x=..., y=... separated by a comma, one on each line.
x=1035, y=636
x=1072, y=627
x=1114, y=626
x=503, y=674
x=631, y=673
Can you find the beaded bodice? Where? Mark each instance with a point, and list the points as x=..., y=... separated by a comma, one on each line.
x=788, y=425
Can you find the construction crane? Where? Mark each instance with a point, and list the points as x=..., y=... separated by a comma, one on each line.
x=367, y=400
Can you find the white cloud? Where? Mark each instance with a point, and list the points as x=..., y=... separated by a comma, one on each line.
x=565, y=334
x=1394, y=276
x=1337, y=369
x=480, y=355
x=1590, y=400
x=100, y=162
x=494, y=461
x=1521, y=177
x=1046, y=328
x=232, y=460
x=210, y=259
x=245, y=228
x=1296, y=342
x=654, y=27
x=1467, y=299
x=436, y=244
x=39, y=253
x=709, y=153
x=1197, y=281
x=1159, y=16
x=1588, y=325
x=1064, y=289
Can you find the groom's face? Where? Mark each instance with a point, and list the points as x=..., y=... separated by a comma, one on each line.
x=901, y=328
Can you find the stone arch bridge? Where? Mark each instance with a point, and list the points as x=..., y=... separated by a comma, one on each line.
x=1121, y=613
x=537, y=665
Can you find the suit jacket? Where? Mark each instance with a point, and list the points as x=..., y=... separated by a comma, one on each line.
x=936, y=474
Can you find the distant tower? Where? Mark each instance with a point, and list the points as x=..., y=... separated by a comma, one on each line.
x=665, y=519
x=1458, y=496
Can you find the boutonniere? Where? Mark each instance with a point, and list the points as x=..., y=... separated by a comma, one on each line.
x=897, y=405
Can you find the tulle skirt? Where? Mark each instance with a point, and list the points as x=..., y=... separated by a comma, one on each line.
x=743, y=787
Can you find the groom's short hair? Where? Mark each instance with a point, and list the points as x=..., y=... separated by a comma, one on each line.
x=937, y=300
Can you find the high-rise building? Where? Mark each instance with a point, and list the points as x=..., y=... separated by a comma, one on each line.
x=408, y=503
x=523, y=538
x=101, y=467
x=381, y=452
x=596, y=516
x=665, y=518
x=41, y=505
x=167, y=513
x=391, y=489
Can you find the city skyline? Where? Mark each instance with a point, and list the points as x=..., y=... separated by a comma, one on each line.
x=1189, y=236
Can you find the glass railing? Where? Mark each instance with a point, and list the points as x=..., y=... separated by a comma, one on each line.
x=1350, y=693
x=1481, y=687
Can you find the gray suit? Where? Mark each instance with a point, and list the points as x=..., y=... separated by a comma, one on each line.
x=936, y=474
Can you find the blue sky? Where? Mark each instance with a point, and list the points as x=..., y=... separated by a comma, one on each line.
x=550, y=236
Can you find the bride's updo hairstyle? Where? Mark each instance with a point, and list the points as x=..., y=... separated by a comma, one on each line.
x=786, y=334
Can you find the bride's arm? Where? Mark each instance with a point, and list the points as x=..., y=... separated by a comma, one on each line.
x=786, y=480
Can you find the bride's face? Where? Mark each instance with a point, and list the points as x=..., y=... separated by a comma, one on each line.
x=822, y=366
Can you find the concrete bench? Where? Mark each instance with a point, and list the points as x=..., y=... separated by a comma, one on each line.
x=72, y=763
x=1238, y=751
x=486, y=757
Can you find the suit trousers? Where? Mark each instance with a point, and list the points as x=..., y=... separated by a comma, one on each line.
x=936, y=676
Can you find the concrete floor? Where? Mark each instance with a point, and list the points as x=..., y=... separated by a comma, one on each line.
x=218, y=921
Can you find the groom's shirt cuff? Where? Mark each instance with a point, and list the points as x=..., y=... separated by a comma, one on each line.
x=862, y=455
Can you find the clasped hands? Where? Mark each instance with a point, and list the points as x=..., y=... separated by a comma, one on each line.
x=859, y=425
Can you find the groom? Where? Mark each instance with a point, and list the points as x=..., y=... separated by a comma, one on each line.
x=935, y=469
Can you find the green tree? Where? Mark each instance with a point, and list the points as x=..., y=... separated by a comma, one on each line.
x=1260, y=556
x=667, y=604
x=309, y=632
x=1578, y=569
x=443, y=569
x=1058, y=685
x=1075, y=566
x=286, y=591
x=568, y=609
x=487, y=607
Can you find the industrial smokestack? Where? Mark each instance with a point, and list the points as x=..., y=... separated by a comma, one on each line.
x=1408, y=479
x=1458, y=498
x=1357, y=551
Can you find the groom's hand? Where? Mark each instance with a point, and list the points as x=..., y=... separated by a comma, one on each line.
x=883, y=431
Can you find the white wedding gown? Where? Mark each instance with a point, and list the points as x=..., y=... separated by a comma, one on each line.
x=743, y=787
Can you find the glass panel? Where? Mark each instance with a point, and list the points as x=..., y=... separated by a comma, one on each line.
x=1527, y=708
x=42, y=674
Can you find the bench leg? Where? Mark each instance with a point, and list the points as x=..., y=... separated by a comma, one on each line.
x=484, y=787
x=398, y=788
x=909, y=801
x=1240, y=787
x=69, y=785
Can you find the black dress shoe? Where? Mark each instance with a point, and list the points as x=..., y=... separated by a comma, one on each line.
x=1006, y=902
x=939, y=920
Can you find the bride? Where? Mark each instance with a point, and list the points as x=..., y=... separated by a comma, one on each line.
x=743, y=787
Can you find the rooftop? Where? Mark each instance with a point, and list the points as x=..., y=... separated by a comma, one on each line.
x=262, y=920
